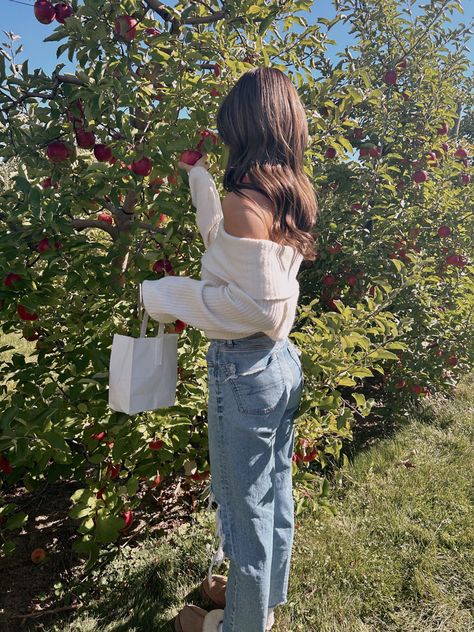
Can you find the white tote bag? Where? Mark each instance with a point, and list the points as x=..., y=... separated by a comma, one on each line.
x=143, y=371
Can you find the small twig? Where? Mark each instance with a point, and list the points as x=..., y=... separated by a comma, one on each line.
x=42, y=613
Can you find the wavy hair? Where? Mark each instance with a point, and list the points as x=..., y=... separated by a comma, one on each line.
x=263, y=123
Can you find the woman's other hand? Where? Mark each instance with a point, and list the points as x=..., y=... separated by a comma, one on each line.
x=202, y=162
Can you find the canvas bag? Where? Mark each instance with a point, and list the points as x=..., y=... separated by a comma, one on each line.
x=143, y=371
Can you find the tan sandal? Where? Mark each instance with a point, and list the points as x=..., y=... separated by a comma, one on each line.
x=195, y=619
x=213, y=594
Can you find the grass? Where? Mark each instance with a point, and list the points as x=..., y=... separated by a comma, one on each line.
x=397, y=556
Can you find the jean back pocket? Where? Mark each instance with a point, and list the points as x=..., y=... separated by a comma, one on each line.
x=256, y=380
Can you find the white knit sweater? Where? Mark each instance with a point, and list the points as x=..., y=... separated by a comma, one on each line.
x=246, y=286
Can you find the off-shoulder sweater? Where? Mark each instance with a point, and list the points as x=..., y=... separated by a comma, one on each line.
x=246, y=286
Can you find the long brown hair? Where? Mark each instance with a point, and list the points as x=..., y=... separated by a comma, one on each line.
x=263, y=123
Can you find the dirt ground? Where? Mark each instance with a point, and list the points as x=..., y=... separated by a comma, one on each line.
x=27, y=590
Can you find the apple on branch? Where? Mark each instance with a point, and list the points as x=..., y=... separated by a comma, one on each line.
x=62, y=11
x=58, y=151
x=125, y=27
x=44, y=11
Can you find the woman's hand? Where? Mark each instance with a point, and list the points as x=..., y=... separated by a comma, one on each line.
x=202, y=162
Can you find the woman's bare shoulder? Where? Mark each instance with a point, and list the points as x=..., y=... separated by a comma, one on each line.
x=242, y=215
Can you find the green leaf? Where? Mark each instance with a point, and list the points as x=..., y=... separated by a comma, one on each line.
x=359, y=399
x=361, y=372
x=265, y=23
x=108, y=528
x=56, y=36
x=346, y=381
x=16, y=521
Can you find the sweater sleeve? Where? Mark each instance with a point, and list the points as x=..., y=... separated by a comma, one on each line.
x=205, y=197
x=209, y=307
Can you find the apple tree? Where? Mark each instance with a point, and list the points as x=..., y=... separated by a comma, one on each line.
x=94, y=204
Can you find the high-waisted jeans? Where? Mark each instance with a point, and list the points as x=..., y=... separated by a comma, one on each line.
x=255, y=386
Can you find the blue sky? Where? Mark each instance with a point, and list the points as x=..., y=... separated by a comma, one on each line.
x=18, y=17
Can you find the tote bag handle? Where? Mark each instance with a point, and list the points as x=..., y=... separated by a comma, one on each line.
x=145, y=316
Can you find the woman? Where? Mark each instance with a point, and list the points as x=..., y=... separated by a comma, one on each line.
x=246, y=303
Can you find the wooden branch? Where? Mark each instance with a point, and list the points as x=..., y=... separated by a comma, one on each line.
x=80, y=224
x=70, y=79
x=57, y=81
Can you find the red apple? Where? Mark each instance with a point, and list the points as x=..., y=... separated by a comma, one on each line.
x=127, y=518
x=99, y=436
x=400, y=384
x=452, y=260
x=142, y=167
x=190, y=156
x=113, y=470
x=47, y=183
x=11, y=279
x=44, y=11
x=452, y=360
x=416, y=388
x=163, y=265
x=38, y=556
x=179, y=327
x=330, y=152
x=216, y=70
x=335, y=248
x=402, y=64
x=156, y=481
x=359, y=133
x=363, y=151
x=215, y=92
x=5, y=465
x=329, y=280
x=155, y=445
x=125, y=27
x=156, y=182
x=24, y=314
x=465, y=178
x=58, y=151
x=374, y=152
x=105, y=217
x=43, y=245
x=85, y=140
x=152, y=31
x=445, y=147
x=63, y=11
x=406, y=96
x=461, y=152
x=100, y=493
x=443, y=130
x=390, y=77
x=102, y=152
x=420, y=176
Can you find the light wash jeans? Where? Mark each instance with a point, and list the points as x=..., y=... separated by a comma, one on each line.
x=255, y=386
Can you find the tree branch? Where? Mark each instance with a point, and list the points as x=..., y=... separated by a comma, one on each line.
x=80, y=224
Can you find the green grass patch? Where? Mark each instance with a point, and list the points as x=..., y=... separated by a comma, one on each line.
x=397, y=556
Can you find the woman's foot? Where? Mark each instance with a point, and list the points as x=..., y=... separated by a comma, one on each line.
x=214, y=595
x=195, y=619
